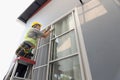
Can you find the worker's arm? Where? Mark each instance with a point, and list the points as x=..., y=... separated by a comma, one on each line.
x=46, y=33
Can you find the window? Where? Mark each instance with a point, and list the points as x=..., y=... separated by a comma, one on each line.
x=58, y=56
x=40, y=73
x=42, y=55
x=63, y=38
x=67, y=69
x=63, y=25
x=63, y=46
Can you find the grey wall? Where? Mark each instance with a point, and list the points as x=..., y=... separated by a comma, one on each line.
x=102, y=41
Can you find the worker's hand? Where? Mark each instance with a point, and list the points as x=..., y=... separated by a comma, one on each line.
x=47, y=29
x=51, y=29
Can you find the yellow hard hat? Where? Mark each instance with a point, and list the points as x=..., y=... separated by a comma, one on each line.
x=34, y=23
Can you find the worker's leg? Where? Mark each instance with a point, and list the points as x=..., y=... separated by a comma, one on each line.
x=29, y=47
x=21, y=70
x=21, y=51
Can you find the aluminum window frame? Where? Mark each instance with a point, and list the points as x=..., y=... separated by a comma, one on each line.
x=83, y=54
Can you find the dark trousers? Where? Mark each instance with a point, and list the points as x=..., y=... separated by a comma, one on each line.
x=21, y=70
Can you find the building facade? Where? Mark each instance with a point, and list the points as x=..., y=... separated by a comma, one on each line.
x=84, y=44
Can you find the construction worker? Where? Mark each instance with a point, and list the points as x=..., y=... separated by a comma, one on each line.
x=31, y=38
x=28, y=44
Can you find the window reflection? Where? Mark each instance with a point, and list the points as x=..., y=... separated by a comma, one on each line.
x=67, y=69
x=63, y=25
x=40, y=73
x=42, y=55
x=63, y=46
x=43, y=41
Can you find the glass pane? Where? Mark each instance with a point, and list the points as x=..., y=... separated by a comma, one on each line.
x=44, y=40
x=42, y=56
x=39, y=74
x=63, y=46
x=68, y=69
x=63, y=25
x=35, y=74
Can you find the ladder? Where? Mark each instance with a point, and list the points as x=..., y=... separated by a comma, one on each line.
x=20, y=63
